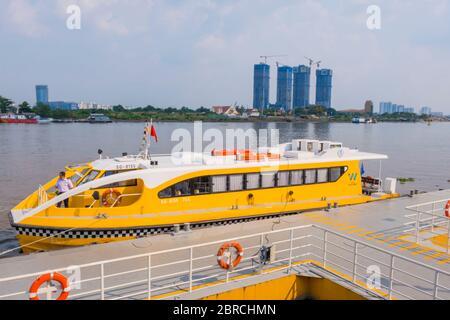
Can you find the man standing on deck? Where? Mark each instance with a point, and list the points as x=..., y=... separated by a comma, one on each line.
x=63, y=185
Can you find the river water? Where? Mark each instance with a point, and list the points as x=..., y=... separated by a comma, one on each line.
x=33, y=154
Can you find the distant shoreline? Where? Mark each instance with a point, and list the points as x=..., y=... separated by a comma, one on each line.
x=251, y=120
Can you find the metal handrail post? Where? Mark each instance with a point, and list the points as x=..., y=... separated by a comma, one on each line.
x=191, y=253
x=325, y=236
x=418, y=225
x=433, y=216
x=355, y=254
x=290, y=250
x=102, y=281
x=436, y=280
x=391, y=277
x=149, y=276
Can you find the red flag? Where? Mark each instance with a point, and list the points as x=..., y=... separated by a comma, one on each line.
x=153, y=133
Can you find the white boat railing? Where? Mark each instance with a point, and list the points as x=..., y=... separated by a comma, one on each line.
x=171, y=274
x=428, y=219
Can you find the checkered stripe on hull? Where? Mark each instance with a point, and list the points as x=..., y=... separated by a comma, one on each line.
x=127, y=233
x=91, y=234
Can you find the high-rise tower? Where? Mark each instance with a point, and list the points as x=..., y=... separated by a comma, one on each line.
x=324, y=78
x=302, y=85
x=261, y=86
x=284, y=88
x=41, y=94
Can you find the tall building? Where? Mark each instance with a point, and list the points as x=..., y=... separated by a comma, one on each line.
x=324, y=87
x=41, y=94
x=261, y=86
x=368, y=107
x=302, y=85
x=385, y=107
x=284, y=88
x=62, y=105
x=425, y=111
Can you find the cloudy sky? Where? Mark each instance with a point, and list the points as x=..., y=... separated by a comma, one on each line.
x=201, y=52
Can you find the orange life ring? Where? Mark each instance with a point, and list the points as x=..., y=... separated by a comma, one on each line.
x=111, y=197
x=447, y=209
x=220, y=255
x=58, y=277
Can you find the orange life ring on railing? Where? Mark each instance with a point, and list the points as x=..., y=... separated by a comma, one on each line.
x=58, y=277
x=447, y=209
x=220, y=255
x=111, y=197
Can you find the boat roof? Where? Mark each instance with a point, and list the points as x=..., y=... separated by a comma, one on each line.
x=288, y=153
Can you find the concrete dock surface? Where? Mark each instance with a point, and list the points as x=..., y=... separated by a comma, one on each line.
x=377, y=224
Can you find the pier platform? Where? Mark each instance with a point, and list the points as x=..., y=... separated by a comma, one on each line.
x=378, y=250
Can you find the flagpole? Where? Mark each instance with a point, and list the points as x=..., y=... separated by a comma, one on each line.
x=150, y=139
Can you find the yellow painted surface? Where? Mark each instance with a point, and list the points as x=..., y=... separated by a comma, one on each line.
x=295, y=287
x=441, y=240
x=149, y=210
x=289, y=288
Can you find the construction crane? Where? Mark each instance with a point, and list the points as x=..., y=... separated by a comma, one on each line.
x=275, y=56
x=313, y=63
x=279, y=64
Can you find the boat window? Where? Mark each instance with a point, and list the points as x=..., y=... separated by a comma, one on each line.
x=166, y=193
x=78, y=176
x=201, y=185
x=335, y=174
x=268, y=180
x=297, y=178
x=91, y=176
x=182, y=189
x=252, y=181
x=219, y=184
x=121, y=184
x=236, y=182
x=322, y=175
x=113, y=172
x=110, y=173
x=310, y=176
x=283, y=178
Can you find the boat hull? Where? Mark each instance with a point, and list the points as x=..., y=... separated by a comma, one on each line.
x=19, y=121
x=39, y=238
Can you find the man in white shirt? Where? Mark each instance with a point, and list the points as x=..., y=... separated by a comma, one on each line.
x=63, y=185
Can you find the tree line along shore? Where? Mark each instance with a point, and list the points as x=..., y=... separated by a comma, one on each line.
x=185, y=114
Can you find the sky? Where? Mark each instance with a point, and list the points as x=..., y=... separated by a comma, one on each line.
x=201, y=52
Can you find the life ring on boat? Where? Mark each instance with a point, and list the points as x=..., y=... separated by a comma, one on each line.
x=111, y=197
x=58, y=277
x=222, y=257
x=447, y=209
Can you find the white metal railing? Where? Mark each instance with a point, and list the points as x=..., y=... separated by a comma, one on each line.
x=179, y=271
x=429, y=217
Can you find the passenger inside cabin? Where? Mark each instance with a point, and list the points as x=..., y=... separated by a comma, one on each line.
x=63, y=185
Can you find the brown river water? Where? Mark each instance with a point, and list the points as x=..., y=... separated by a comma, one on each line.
x=32, y=154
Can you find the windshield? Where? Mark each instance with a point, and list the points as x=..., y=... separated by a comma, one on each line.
x=91, y=176
x=78, y=176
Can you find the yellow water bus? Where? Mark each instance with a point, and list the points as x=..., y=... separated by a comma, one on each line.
x=127, y=197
